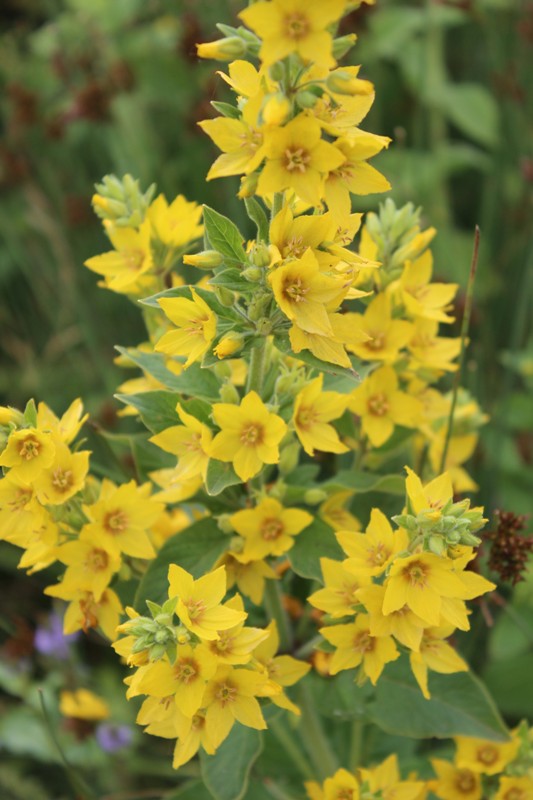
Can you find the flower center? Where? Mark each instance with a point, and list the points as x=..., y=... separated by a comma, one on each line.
x=186, y=670
x=363, y=642
x=377, y=342
x=296, y=26
x=195, y=608
x=378, y=405
x=115, y=521
x=97, y=560
x=295, y=247
x=21, y=499
x=305, y=418
x=515, y=794
x=378, y=555
x=198, y=722
x=487, y=754
x=133, y=259
x=296, y=159
x=271, y=529
x=29, y=448
x=295, y=291
x=252, y=434
x=62, y=479
x=465, y=781
x=416, y=574
x=344, y=794
x=226, y=694
x=223, y=644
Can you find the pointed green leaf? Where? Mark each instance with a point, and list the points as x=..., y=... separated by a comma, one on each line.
x=219, y=476
x=313, y=543
x=157, y=409
x=226, y=774
x=225, y=237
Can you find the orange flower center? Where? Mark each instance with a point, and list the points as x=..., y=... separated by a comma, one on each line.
x=223, y=644
x=22, y=497
x=344, y=794
x=226, y=693
x=295, y=290
x=196, y=326
x=186, y=670
x=133, y=259
x=487, y=755
x=377, y=555
x=271, y=529
x=306, y=417
x=115, y=521
x=378, y=405
x=377, y=342
x=62, y=479
x=252, y=434
x=97, y=560
x=515, y=794
x=87, y=609
x=295, y=247
x=296, y=26
x=465, y=781
x=363, y=642
x=416, y=573
x=198, y=722
x=296, y=159
x=29, y=448
x=195, y=608
x=194, y=443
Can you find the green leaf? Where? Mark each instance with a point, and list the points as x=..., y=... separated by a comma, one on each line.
x=367, y=482
x=219, y=476
x=224, y=236
x=226, y=109
x=459, y=706
x=193, y=381
x=509, y=680
x=30, y=413
x=257, y=214
x=226, y=774
x=157, y=409
x=313, y=543
x=472, y=109
x=192, y=790
x=339, y=697
x=196, y=549
x=232, y=279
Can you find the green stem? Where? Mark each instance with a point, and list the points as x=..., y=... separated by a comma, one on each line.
x=464, y=331
x=276, y=610
x=292, y=748
x=277, y=203
x=309, y=647
x=276, y=791
x=314, y=737
x=257, y=367
x=356, y=744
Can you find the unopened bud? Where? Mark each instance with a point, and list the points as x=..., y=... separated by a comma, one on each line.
x=229, y=344
x=222, y=49
x=224, y=523
x=276, y=109
x=436, y=544
x=229, y=394
x=207, y=259
x=315, y=496
x=252, y=274
x=248, y=185
x=306, y=99
x=288, y=459
x=224, y=296
x=342, y=82
x=260, y=254
x=343, y=44
x=276, y=71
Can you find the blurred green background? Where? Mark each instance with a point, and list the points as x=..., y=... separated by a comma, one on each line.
x=90, y=87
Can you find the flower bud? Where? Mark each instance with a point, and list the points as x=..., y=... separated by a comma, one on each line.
x=342, y=82
x=229, y=394
x=224, y=296
x=288, y=459
x=306, y=99
x=229, y=344
x=315, y=496
x=248, y=185
x=276, y=109
x=222, y=49
x=224, y=523
x=222, y=370
x=343, y=44
x=276, y=71
x=260, y=254
x=436, y=544
x=207, y=259
x=252, y=274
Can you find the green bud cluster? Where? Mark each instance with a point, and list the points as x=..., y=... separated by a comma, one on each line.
x=456, y=524
x=156, y=635
x=122, y=201
x=393, y=230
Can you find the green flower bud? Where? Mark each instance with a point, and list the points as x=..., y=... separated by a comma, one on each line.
x=207, y=259
x=343, y=45
x=229, y=394
x=224, y=296
x=252, y=274
x=289, y=456
x=436, y=545
x=260, y=254
x=224, y=523
x=226, y=49
x=315, y=496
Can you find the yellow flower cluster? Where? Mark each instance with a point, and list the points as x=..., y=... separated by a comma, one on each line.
x=206, y=673
x=405, y=587
x=382, y=781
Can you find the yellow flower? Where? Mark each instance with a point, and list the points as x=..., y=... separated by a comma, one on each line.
x=331, y=346
x=249, y=576
x=28, y=452
x=235, y=645
x=421, y=297
x=186, y=679
x=302, y=292
x=85, y=611
x=515, y=788
x=66, y=428
x=190, y=442
x=199, y=606
x=339, y=596
x=241, y=141
x=486, y=757
x=454, y=783
x=20, y=511
x=298, y=26
x=313, y=410
x=430, y=351
x=281, y=670
x=192, y=735
x=121, y=517
x=381, y=406
x=125, y=267
x=91, y=562
x=428, y=499
x=249, y=436
x=353, y=175
x=419, y=582
x=64, y=477
x=231, y=697
x=384, y=780
x=83, y=704
x=269, y=529
x=297, y=158
x=387, y=335
x=403, y=624
x=196, y=327
x=338, y=517
x=371, y=552
x=177, y=224
x=40, y=546
x=356, y=646
x=341, y=786
x=437, y=655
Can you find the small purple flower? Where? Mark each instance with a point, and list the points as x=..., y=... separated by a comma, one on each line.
x=50, y=640
x=112, y=737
